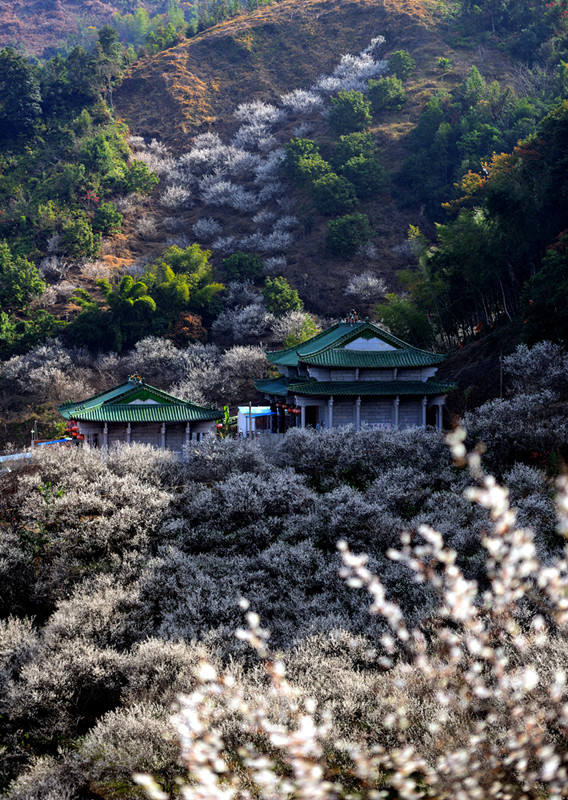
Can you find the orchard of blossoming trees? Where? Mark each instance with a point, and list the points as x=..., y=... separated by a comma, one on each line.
x=122, y=577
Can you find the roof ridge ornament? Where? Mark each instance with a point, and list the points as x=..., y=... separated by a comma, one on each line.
x=137, y=380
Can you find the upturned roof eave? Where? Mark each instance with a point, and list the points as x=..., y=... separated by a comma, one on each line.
x=346, y=332
x=117, y=397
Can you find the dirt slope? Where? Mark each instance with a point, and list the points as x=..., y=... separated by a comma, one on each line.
x=197, y=84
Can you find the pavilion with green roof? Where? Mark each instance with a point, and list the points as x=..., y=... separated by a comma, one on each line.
x=138, y=412
x=355, y=373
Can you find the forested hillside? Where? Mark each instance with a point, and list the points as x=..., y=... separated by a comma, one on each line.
x=285, y=164
x=181, y=186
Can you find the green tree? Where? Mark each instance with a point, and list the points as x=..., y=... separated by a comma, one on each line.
x=545, y=299
x=349, y=112
x=78, y=239
x=97, y=155
x=19, y=280
x=107, y=219
x=444, y=65
x=303, y=162
x=109, y=61
x=243, y=266
x=138, y=178
x=401, y=64
x=333, y=194
x=387, y=94
x=181, y=280
x=366, y=175
x=279, y=297
x=406, y=321
x=351, y=145
x=20, y=99
x=131, y=310
x=345, y=234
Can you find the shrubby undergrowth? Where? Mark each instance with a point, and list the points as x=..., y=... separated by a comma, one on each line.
x=122, y=573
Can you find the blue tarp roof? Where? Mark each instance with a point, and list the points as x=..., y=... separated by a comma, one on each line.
x=257, y=411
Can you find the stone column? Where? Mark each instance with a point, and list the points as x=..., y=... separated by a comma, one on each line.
x=163, y=436
x=303, y=416
x=438, y=417
x=424, y=404
x=105, y=436
x=128, y=433
x=358, y=414
x=395, y=405
x=330, y=413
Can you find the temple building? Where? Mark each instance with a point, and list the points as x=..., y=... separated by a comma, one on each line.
x=137, y=412
x=355, y=373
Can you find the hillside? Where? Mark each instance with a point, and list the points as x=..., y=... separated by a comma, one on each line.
x=38, y=25
x=197, y=86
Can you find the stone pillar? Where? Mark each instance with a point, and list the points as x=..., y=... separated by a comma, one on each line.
x=105, y=436
x=395, y=405
x=358, y=414
x=395, y=376
x=303, y=416
x=128, y=433
x=163, y=436
x=424, y=404
x=356, y=373
x=187, y=434
x=438, y=417
x=330, y=413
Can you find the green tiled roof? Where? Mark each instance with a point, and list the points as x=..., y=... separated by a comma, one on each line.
x=408, y=357
x=334, y=339
x=276, y=386
x=367, y=388
x=116, y=405
x=154, y=413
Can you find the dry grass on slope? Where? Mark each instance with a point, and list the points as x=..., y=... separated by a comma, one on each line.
x=199, y=83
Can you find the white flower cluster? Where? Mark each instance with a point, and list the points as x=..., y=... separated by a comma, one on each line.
x=155, y=155
x=352, y=73
x=206, y=228
x=366, y=287
x=302, y=101
x=218, y=192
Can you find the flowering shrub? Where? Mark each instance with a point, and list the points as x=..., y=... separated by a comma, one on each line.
x=147, y=227
x=206, y=228
x=269, y=167
x=247, y=324
x=275, y=265
x=175, y=197
x=301, y=101
x=132, y=566
x=542, y=367
x=367, y=287
x=218, y=192
x=458, y=703
x=351, y=74
x=258, y=112
x=54, y=267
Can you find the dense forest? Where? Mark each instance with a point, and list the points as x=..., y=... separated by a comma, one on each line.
x=420, y=176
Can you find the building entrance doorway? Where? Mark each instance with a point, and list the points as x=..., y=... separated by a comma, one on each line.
x=311, y=416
